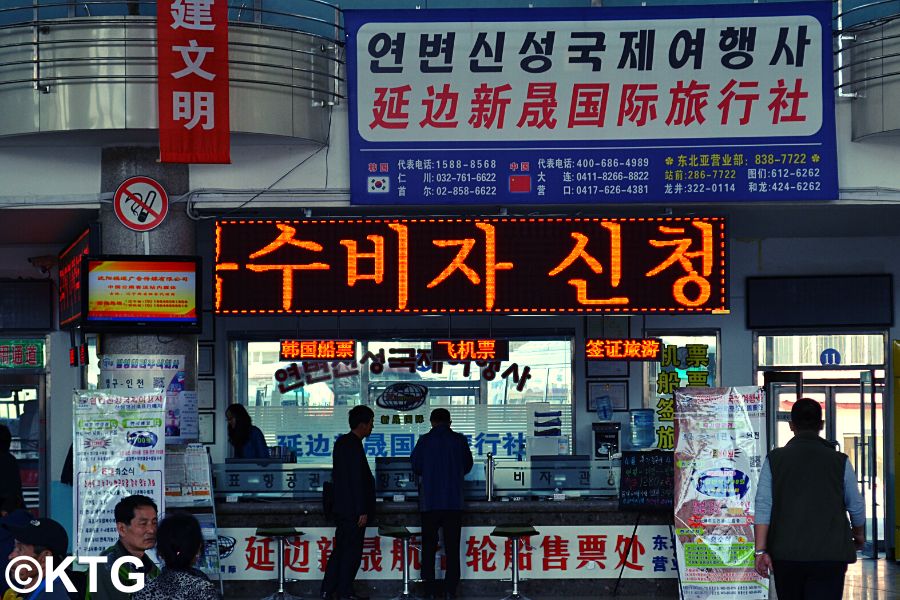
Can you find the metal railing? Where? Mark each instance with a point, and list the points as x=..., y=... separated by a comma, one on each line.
x=314, y=67
x=861, y=29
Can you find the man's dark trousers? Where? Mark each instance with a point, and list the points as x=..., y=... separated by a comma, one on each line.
x=345, y=557
x=451, y=522
x=809, y=580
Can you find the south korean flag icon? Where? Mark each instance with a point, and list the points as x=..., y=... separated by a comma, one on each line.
x=379, y=185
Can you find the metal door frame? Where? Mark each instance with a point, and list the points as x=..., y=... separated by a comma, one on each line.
x=865, y=456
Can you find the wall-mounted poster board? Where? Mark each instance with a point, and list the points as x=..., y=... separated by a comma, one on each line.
x=648, y=481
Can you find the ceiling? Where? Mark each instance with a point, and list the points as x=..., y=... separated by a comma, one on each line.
x=39, y=227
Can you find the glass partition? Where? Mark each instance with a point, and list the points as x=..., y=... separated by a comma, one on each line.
x=303, y=405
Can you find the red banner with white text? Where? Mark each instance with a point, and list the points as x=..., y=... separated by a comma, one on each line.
x=192, y=63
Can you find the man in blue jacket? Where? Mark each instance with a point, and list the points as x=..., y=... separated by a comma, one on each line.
x=441, y=460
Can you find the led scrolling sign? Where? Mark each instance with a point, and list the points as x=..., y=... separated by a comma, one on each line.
x=503, y=265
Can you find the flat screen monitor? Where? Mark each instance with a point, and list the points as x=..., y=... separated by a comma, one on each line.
x=141, y=294
x=860, y=301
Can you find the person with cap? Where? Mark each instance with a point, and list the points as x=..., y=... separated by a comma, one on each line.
x=12, y=513
x=136, y=521
x=39, y=540
x=441, y=460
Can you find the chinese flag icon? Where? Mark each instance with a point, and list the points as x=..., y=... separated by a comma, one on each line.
x=379, y=185
x=520, y=184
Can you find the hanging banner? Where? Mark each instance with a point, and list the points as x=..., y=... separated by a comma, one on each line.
x=192, y=69
x=577, y=105
x=129, y=374
x=119, y=450
x=720, y=445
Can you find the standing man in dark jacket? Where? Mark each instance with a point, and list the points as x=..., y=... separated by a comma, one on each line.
x=441, y=460
x=354, y=504
x=804, y=493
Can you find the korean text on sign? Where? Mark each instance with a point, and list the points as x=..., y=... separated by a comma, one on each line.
x=577, y=105
x=525, y=265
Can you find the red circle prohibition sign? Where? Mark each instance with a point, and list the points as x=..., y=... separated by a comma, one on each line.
x=141, y=203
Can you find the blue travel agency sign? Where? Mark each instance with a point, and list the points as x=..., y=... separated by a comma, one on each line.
x=565, y=106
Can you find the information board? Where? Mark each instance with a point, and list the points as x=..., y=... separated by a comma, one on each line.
x=648, y=481
x=678, y=104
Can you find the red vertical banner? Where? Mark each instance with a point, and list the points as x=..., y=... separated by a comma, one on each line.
x=192, y=63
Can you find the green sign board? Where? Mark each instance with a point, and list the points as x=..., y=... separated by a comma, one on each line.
x=21, y=354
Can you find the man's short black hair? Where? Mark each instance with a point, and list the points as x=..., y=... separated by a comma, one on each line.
x=178, y=540
x=806, y=415
x=5, y=438
x=127, y=505
x=440, y=416
x=360, y=415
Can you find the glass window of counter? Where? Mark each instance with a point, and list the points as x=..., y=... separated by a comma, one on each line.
x=402, y=383
x=689, y=359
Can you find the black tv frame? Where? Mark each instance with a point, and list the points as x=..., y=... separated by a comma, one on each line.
x=141, y=327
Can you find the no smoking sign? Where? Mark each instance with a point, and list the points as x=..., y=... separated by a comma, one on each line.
x=141, y=203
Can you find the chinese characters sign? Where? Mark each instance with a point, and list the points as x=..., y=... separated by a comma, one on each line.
x=623, y=349
x=515, y=265
x=129, y=293
x=685, y=361
x=192, y=64
x=578, y=105
x=316, y=349
x=480, y=349
x=721, y=441
x=22, y=354
x=557, y=552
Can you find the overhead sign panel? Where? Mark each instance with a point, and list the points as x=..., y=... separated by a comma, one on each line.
x=514, y=265
x=686, y=104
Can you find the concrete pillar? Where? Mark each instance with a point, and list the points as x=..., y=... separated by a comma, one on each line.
x=176, y=235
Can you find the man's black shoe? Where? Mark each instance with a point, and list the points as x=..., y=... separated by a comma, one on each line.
x=354, y=597
x=325, y=596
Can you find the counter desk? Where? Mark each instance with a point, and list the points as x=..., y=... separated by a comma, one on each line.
x=582, y=546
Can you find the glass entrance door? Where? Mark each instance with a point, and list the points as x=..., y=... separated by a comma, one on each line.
x=854, y=422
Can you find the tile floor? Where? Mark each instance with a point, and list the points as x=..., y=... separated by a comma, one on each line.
x=869, y=579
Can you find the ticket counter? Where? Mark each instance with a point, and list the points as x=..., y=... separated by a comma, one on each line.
x=584, y=539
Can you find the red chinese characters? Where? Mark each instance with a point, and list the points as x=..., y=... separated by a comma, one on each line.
x=623, y=349
x=192, y=63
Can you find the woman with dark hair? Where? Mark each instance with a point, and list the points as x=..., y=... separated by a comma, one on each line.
x=179, y=543
x=246, y=439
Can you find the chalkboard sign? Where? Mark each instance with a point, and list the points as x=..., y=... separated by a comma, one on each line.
x=648, y=481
